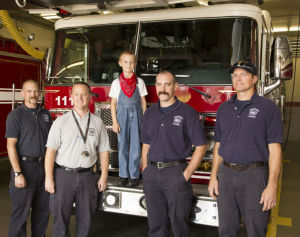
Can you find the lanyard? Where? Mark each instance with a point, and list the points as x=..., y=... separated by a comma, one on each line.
x=84, y=137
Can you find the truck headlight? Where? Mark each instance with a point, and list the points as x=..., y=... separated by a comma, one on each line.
x=143, y=202
x=112, y=199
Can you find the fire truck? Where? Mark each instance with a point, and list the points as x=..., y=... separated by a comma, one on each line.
x=198, y=44
x=16, y=66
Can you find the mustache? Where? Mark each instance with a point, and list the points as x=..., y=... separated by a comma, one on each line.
x=33, y=97
x=163, y=93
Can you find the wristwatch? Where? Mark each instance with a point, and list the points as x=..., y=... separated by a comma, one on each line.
x=18, y=173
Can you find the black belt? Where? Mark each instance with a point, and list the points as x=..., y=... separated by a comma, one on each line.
x=75, y=170
x=30, y=158
x=244, y=167
x=161, y=165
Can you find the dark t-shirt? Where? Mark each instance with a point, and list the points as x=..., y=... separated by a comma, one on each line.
x=244, y=134
x=240, y=104
x=171, y=134
x=166, y=109
x=31, y=128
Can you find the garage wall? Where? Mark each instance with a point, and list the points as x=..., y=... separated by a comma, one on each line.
x=43, y=37
x=289, y=85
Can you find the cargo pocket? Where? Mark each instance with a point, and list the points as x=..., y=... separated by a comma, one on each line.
x=144, y=171
x=52, y=203
x=184, y=200
x=94, y=200
x=181, y=169
x=94, y=193
x=18, y=195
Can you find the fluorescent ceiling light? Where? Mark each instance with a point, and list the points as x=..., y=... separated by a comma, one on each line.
x=51, y=17
x=179, y=1
x=280, y=29
x=286, y=29
x=294, y=28
x=48, y=14
x=42, y=11
x=107, y=12
x=203, y=2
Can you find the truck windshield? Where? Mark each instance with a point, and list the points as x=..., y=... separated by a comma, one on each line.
x=90, y=54
x=197, y=51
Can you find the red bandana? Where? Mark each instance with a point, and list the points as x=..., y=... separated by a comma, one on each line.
x=128, y=85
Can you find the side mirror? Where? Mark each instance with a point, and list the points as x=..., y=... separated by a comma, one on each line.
x=46, y=64
x=283, y=59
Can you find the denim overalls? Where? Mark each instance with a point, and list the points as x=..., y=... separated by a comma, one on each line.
x=129, y=115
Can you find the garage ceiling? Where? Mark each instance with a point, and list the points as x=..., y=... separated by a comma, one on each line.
x=285, y=13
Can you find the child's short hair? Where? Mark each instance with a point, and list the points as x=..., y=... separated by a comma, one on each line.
x=127, y=52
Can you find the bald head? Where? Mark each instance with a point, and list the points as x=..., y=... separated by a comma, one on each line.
x=30, y=81
x=31, y=93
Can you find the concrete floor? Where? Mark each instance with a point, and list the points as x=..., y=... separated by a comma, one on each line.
x=285, y=220
x=288, y=219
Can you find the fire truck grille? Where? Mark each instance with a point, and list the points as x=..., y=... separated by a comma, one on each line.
x=113, y=159
x=103, y=110
x=113, y=140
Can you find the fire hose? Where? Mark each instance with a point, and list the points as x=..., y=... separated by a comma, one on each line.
x=7, y=21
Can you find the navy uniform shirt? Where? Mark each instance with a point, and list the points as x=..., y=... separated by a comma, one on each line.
x=171, y=134
x=244, y=134
x=31, y=128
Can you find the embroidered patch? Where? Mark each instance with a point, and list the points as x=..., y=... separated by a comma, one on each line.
x=253, y=112
x=177, y=120
x=46, y=118
x=92, y=131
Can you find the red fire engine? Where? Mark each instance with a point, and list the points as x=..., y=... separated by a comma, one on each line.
x=16, y=66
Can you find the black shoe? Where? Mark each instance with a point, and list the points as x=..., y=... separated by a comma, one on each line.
x=122, y=181
x=133, y=183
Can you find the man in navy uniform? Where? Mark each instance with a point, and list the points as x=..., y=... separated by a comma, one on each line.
x=27, y=129
x=169, y=130
x=246, y=156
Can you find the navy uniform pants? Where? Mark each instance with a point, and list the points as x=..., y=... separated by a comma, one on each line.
x=32, y=196
x=78, y=188
x=168, y=200
x=239, y=195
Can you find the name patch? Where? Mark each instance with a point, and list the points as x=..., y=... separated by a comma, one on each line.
x=253, y=113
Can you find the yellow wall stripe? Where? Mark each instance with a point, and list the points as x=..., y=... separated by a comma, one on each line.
x=284, y=221
x=272, y=227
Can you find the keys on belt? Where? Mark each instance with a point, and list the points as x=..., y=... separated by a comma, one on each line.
x=30, y=158
x=161, y=165
x=240, y=167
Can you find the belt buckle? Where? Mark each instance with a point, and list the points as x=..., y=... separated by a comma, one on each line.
x=40, y=159
x=159, y=165
x=236, y=165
